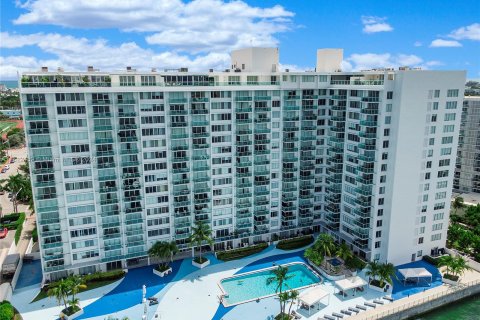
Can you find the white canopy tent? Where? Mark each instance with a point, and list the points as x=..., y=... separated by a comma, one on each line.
x=350, y=283
x=415, y=273
x=312, y=297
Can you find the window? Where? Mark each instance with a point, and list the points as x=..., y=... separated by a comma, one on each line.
x=444, y=162
x=431, y=141
x=383, y=179
x=386, y=132
x=442, y=174
x=433, y=129
x=383, y=167
x=445, y=151
x=389, y=107
x=419, y=253
x=380, y=212
x=440, y=195
x=427, y=176
x=389, y=94
x=423, y=219
x=442, y=184
x=384, y=156
x=447, y=140
x=378, y=234
x=425, y=197
x=429, y=164
x=451, y=105
x=435, y=106
x=388, y=120
x=426, y=187
x=448, y=128
x=420, y=240
x=436, y=94
x=434, y=118
x=381, y=190
x=381, y=201
x=452, y=93
x=449, y=116
x=436, y=237
x=377, y=244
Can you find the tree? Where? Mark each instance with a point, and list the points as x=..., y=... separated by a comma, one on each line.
x=385, y=272
x=292, y=296
x=60, y=291
x=459, y=266
x=280, y=275
x=325, y=244
x=458, y=204
x=14, y=184
x=446, y=261
x=77, y=283
x=373, y=270
x=314, y=255
x=163, y=250
x=344, y=252
x=201, y=233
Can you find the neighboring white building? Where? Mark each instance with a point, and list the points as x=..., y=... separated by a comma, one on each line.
x=467, y=172
x=123, y=159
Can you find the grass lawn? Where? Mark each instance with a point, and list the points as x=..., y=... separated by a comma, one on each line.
x=5, y=125
x=91, y=285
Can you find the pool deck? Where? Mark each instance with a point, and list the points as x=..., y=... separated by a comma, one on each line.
x=192, y=293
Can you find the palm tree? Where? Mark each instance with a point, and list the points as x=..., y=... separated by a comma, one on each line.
x=292, y=296
x=446, y=261
x=77, y=283
x=283, y=298
x=13, y=184
x=201, y=233
x=314, y=256
x=163, y=250
x=280, y=275
x=60, y=291
x=344, y=252
x=458, y=204
x=373, y=270
x=325, y=244
x=386, y=272
x=459, y=266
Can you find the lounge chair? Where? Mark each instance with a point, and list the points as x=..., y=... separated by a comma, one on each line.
x=378, y=301
x=329, y=317
x=338, y=315
x=361, y=307
x=368, y=304
x=152, y=299
x=353, y=309
x=388, y=298
x=153, y=302
x=295, y=315
x=348, y=313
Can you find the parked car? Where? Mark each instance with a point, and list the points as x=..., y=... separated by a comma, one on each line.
x=4, y=170
x=13, y=160
x=7, y=167
x=3, y=233
x=2, y=192
x=10, y=194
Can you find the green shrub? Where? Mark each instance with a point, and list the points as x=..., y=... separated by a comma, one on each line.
x=242, y=252
x=35, y=235
x=355, y=263
x=104, y=276
x=295, y=243
x=18, y=232
x=6, y=311
x=450, y=277
x=200, y=261
x=431, y=260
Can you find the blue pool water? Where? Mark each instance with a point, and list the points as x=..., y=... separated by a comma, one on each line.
x=335, y=262
x=250, y=286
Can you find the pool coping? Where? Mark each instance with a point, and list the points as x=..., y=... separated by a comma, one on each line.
x=226, y=304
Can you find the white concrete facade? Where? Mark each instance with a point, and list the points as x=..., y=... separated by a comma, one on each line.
x=253, y=154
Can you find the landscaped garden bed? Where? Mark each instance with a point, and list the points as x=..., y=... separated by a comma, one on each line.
x=242, y=252
x=92, y=281
x=8, y=312
x=13, y=221
x=295, y=243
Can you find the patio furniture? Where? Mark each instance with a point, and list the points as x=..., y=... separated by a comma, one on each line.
x=368, y=304
x=295, y=315
x=413, y=275
x=338, y=315
x=349, y=284
x=312, y=297
x=329, y=317
x=360, y=307
x=353, y=309
x=378, y=301
x=348, y=313
x=388, y=298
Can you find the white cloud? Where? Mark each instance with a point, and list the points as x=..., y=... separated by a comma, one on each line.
x=373, y=24
x=76, y=53
x=194, y=26
x=367, y=61
x=471, y=32
x=441, y=43
x=418, y=44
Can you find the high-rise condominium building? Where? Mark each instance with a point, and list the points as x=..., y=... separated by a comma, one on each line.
x=124, y=159
x=467, y=172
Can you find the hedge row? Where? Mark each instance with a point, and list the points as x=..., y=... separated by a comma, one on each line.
x=242, y=252
x=105, y=276
x=18, y=232
x=295, y=243
x=14, y=218
x=431, y=260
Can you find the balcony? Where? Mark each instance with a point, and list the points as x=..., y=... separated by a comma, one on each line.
x=128, y=126
x=262, y=120
x=181, y=181
x=200, y=99
x=371, y=99
x=180, y=159
x=130, y=163
x=243, y=110
x=102, y=128
x=262, y=98
x=102, y=115
x=201, y=168
x=177, y=100
x=179, y=136
x=200, y=123
x=244, y=132
x=34, y=103
x=40, y=145
x=240, y=99
x=131, y=175
x=127, y=114
x=129, y=139
x=291, y=108
x=126, y=101
x=291, y=97
x=244, y=195
x=291, y=129
x=200, y=145
x=36, y=117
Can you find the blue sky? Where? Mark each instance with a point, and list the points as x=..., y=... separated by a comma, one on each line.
x=199, y=34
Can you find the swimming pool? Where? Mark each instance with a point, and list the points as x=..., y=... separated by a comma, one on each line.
x=253, y=285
